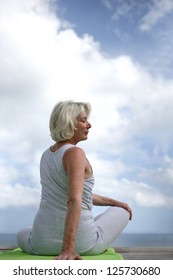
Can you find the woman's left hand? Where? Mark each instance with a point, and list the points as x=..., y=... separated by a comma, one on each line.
x=106, y=201
x=127, y=208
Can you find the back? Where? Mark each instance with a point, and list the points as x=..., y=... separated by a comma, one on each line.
x=54, y=181
x=48, y=227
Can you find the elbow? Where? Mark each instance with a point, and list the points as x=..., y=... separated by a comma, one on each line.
x=74, y=201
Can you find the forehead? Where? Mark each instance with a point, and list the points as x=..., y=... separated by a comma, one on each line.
x=83, y=114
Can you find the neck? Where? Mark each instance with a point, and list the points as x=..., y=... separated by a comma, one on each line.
x=58, y=145
x=70, y=141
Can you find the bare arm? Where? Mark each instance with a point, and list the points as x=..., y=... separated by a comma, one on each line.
x=106, y=201
x=74, y=163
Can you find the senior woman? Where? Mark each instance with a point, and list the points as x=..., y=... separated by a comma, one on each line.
x=64, y=225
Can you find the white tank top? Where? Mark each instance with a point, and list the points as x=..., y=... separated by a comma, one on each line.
x=54, y=180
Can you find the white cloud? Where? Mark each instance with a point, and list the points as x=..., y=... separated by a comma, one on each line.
x=162, y=175
x=107, y=4
x=135, y=193
x=7, y=173
x=146, y=196
x=158, y=10
x=42, y=64
x=18, y=195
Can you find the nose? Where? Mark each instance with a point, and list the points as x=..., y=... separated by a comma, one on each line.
x=88, y=125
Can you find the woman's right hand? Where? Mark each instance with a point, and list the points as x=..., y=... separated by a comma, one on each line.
x=68, y=255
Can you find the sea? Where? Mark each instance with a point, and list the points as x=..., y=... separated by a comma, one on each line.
x=124, y=240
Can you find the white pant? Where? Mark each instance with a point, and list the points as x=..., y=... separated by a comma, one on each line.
x=109, y=225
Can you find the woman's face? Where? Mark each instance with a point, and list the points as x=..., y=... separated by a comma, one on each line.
x=82, y=127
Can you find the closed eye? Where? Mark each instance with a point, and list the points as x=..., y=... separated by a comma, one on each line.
x=84, y=120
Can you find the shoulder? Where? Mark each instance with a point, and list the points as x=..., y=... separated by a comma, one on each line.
x=74, y=156
x=74, y=152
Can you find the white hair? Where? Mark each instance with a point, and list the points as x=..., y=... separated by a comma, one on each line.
x=63, y=118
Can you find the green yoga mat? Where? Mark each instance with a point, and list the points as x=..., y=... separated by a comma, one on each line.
x=17, y=254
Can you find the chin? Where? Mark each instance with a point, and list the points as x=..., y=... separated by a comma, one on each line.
x=84, y=138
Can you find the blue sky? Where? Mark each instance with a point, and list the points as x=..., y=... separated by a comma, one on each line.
x=117, y=55
x=141, y=29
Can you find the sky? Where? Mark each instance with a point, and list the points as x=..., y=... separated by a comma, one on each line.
x=118, y=56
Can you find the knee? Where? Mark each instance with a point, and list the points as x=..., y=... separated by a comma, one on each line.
x=21, y=233
x=121, y=212
x=125, y=215
x=22, y=237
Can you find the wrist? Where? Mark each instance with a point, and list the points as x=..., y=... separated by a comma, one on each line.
x=68, y=247
x=124, y=205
